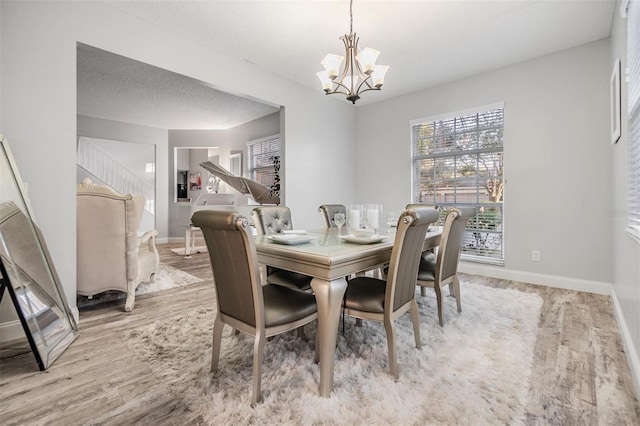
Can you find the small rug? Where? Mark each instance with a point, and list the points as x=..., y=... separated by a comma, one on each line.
x=475, y=370
x=167, y=277
x=196, y=249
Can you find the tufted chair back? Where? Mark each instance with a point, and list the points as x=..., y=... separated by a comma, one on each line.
x=329, y=211
x=270, y=220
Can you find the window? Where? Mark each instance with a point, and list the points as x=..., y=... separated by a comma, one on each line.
x=264, y=162
x=633, y=64
x=457, y=160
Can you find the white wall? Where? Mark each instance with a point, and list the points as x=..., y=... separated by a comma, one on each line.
x=38, y=104
x=626, y=251
x=115, y=130
x=557, y=157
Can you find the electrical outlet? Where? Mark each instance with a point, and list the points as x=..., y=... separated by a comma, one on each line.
x=535, y=255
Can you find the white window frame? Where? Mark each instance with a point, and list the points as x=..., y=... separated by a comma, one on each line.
x=632, y=9
x=251, y=169
x=472, y=232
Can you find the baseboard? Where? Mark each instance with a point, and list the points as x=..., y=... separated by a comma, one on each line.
x=629, y=349
x=164, y=240
x=11, y=330
x=566, y=283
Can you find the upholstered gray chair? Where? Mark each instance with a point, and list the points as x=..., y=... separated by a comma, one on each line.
x=109, y=253
x=385, y=301
x=440, y=270
x=243, y=303
x=328, y=212
x=429, y=206
x=270, y=220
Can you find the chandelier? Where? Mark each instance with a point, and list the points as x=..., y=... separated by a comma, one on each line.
x=360, y=72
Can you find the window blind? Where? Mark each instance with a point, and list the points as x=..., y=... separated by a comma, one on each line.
x=457, y=160
x=263, y=154
x=633, y=64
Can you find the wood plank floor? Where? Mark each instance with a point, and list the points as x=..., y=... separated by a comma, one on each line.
x=580, y=375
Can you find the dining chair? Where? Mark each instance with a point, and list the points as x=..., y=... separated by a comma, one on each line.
x=270, y=220
x=431, y=206
x=386, y=300
x=438, y=271
x=243, y=303
x=329, y=211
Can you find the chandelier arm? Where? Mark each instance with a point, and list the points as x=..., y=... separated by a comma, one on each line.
x=369, y=88
x=338, y=86
x=364, y=78
x=336, y=92
x=338, y=80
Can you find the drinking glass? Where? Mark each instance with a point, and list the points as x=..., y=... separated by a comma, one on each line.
x=392, y=221
x=372, y=215
x=339, y=219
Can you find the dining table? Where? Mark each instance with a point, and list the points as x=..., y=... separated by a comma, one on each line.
x=329, y=258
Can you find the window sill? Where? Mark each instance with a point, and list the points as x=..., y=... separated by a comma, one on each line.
x=634, y=232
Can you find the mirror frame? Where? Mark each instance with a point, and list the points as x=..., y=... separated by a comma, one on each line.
x=46, y=346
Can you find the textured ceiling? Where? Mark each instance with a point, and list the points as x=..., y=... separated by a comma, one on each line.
x=426, y=43
x=116, y=88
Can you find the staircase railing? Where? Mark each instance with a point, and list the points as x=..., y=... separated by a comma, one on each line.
x=109, y=170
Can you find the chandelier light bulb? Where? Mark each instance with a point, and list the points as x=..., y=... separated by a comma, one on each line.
x=367, y=59
x=331, y=64
x=377, y=76
x=325, y=80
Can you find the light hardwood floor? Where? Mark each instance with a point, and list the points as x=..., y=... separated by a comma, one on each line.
x=580, y=375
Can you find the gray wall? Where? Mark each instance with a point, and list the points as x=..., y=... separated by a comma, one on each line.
x=626, y=250
x=557, y=166
x=38, y=104
x=115, y=130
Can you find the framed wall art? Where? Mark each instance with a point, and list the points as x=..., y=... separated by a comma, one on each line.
x=614, y=88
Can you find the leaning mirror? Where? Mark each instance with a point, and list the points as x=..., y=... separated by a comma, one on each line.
x=27, y=273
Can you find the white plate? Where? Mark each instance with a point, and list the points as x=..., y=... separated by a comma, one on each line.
x=375, y=238
x=290, y=239
x=295, y=231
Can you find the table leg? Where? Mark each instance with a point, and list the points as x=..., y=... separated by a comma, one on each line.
x=329, y=296
x=187, y=243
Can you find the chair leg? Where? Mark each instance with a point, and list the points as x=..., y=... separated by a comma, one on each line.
x=218, y=327
x=258, y=353
x=358, y=322
x=131, y=296
x=440, y=307
x=391, y=343
x=416, y=323
x=423, y=291
x=456, y=287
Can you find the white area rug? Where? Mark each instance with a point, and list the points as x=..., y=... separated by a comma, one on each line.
x=167, y=277
x=196, y=249
x=475, y=370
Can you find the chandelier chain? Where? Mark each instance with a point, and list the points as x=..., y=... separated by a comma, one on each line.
x=351, y=16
